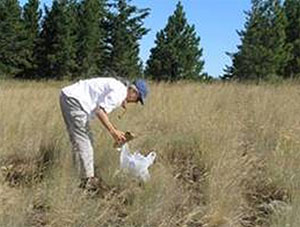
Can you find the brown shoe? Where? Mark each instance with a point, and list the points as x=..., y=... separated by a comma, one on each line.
x=93, y=185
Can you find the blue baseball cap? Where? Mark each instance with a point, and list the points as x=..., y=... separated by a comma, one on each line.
x=142, y=88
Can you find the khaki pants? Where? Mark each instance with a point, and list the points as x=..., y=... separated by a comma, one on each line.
x=76, y=120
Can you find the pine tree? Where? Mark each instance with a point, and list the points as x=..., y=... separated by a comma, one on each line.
x=31, y=18
x=12, y=46
x=263, y=53
x=57, y=47
x=124, y=28
x=292, y=12
x=177, y=54
x=91, y=38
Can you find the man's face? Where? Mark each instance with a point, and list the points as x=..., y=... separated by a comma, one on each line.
x=132, y=95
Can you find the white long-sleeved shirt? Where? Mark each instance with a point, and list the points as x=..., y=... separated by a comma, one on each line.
x=104, y=92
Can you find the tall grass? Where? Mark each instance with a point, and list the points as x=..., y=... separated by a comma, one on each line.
x=228, y=155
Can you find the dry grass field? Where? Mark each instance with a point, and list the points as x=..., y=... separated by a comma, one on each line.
x=228, y=155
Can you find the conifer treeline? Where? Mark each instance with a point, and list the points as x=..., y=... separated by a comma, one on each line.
x=270, y=42
x=81, y=39
x=85, y=38
x=73, y=39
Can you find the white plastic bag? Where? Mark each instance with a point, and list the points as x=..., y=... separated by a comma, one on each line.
x=136, y=164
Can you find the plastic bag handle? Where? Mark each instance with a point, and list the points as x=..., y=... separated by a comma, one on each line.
x=151, y=157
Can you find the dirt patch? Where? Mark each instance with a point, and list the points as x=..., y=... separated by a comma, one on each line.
x=192, y=176
x=37, y=216
x=263, y=197
x=117, y=201
x=19, y=171
x=16, y=171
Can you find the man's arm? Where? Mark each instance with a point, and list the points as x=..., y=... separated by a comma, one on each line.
x=119, y=136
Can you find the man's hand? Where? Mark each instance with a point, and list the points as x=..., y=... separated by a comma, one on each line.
x=119, y=136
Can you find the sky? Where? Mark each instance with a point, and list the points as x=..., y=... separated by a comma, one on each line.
x=216, y=23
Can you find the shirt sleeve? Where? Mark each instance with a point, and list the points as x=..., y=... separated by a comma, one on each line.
x=111, y=101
